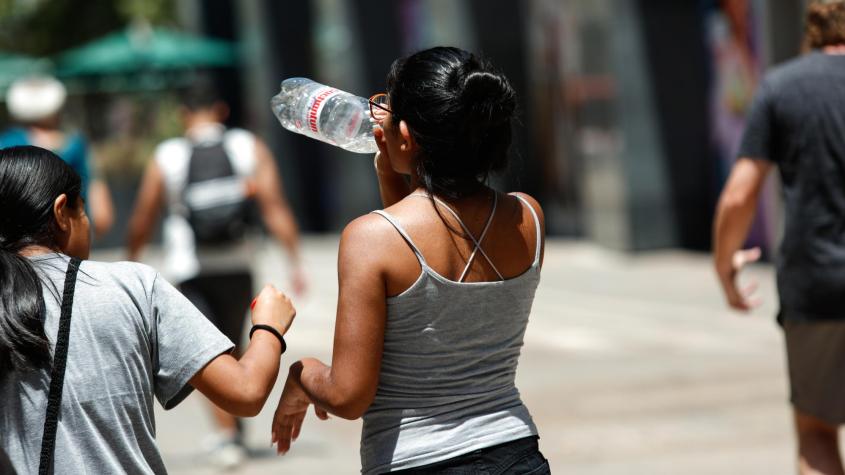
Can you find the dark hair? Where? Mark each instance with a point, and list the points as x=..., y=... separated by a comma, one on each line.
x=31, y=179
x=825, y=24
x=201, y=94
x=459, y=110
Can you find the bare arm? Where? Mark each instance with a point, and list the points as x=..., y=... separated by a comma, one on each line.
x=241, y=386
x=147, y=208
x=102, y=208
x=275, y=210
x=348, y=386
x=734, y=215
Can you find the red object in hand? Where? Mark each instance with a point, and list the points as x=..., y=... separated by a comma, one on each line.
x=252, y=305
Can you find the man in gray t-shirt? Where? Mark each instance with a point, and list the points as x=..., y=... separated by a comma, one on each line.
x=797, y=124
x=141, y=337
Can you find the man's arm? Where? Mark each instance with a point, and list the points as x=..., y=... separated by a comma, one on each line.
x=275, y=210
x=99, y=197
x=734, y=215
x=102, y=207
x=147, y=208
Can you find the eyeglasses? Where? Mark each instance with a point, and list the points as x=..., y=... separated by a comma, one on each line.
x=379, y=106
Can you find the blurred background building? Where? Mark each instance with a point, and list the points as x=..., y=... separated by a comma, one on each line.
x=631, y=109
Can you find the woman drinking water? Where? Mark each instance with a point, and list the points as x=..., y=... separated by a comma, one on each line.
x=436, y=289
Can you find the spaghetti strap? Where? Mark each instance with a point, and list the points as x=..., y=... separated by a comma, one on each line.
x=536, y=227
x=476, y=242
x=405, y=236
x=480, y=240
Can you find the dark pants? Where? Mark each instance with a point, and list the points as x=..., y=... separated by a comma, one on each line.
x=223, y=298
x=520, y=457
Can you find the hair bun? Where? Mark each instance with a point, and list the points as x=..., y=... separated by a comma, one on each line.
x=489, y=97
x=459, y=109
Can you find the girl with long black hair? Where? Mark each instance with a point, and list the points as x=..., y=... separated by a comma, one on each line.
x=94, y=342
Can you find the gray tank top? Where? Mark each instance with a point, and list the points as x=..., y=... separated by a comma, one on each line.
x=451, y=348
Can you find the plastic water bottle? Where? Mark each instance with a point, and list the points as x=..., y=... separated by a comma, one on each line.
x=325, y=113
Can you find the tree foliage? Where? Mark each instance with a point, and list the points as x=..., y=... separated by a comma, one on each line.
x=46, y=27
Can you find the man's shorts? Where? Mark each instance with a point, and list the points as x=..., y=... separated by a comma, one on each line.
x=815, y=353
x=224, y=299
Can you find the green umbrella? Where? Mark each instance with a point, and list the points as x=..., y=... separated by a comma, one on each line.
x=14, y=66
x=142, y=50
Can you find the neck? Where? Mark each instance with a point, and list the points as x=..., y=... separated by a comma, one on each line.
x=834, y=49
x=415, y=182
x=36, y=250
x=202, y=118
x=44, y=128
x=482, y=194
x=49, y=138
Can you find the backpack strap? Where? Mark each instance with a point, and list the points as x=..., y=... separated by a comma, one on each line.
x=57, y=375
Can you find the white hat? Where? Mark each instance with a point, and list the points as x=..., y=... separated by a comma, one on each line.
x=35, y=98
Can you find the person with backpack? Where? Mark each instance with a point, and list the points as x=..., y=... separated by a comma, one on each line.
x=86, y=346
x=207, y=181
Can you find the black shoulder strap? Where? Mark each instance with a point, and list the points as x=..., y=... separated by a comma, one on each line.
x=57, y=376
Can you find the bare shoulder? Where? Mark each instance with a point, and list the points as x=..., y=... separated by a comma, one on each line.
x=408, y=207
x=538, y=211
x=369, y=239
x=263, y=156
x=367, y=227
x=535, y=205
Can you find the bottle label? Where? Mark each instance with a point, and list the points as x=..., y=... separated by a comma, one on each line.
x=320, y=100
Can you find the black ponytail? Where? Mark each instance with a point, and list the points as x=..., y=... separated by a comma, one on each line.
x=31, y=179
x=23, y=344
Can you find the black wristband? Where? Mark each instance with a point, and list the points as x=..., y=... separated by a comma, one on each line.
x=271, y=330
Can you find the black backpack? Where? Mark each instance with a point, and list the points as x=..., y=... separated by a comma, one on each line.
x=215, y=196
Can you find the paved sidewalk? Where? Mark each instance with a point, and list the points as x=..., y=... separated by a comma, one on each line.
x=631, y=365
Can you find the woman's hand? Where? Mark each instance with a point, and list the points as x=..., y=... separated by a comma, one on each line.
x=381, y=161
x=273, y=308
x=392, y=185
x=287, y=421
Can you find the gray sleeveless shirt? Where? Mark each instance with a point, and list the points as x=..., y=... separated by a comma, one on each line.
x=446, y=385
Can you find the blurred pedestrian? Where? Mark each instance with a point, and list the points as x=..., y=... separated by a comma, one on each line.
x=207, y=180
x=36, y=104
x=85, y=346
x=797, y=124
x=436, y=289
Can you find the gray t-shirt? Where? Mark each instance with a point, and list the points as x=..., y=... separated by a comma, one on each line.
x=797, y=121
x=132, y=336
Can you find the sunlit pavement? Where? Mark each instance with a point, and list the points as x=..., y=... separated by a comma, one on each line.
x=631, y=364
